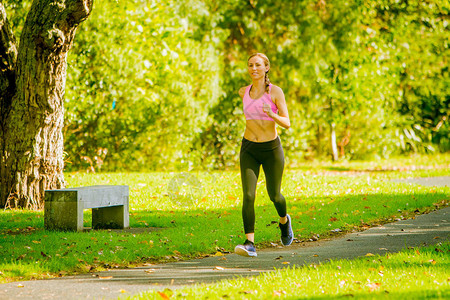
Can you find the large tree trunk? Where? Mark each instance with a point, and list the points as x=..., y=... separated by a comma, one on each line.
x=32, y=119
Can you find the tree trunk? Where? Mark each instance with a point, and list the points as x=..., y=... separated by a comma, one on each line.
x=334, y=148
x=32, y=145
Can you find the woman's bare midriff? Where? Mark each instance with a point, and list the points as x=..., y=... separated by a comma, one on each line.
x=260, y=130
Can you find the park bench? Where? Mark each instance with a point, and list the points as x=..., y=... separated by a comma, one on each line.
x=63, y=208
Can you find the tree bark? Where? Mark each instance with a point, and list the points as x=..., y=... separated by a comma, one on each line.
x=32, y=146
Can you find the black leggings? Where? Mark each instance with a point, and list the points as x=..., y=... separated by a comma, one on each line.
x=270, y=155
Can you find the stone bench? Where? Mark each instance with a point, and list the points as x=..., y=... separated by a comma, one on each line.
x=63, y=208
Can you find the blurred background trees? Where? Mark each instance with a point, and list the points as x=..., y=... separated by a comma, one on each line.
x=152, y=85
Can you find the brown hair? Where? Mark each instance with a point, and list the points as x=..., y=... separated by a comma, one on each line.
x=266, y=63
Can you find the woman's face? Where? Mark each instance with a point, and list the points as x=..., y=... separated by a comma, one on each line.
x=256, y=67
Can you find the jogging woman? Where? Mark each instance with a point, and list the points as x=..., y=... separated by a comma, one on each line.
x=264, y=107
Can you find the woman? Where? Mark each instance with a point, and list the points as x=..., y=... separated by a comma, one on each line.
x=264, y=106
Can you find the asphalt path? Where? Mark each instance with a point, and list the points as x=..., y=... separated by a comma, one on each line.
x=427, y=229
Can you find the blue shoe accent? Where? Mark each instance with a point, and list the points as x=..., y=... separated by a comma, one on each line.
x=247, y=249
x=287, y=235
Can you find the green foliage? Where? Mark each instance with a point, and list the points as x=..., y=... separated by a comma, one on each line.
x=154, y=84
x=140, y=88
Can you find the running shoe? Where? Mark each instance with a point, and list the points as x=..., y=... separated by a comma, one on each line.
x=247, y=249
x=287, y=235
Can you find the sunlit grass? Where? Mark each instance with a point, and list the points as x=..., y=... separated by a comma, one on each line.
x=420, y=273
x=319, y=200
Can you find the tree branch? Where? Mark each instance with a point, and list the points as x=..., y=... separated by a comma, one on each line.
x=78, y=10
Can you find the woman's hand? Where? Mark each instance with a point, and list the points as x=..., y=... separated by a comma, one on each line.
x=268, y=110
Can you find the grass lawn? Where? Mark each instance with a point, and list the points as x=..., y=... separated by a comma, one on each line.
x=321, y=198
x=419, y=273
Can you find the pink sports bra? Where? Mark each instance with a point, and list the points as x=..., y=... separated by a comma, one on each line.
x=253, y=108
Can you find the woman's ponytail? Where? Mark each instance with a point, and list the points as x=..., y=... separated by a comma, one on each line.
x=267, y=81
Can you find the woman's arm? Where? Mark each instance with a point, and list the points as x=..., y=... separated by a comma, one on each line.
x=282, y=118
x=242, y=91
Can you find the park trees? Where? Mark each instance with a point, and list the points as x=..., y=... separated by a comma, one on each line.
x=153, y=84
x=32, y=84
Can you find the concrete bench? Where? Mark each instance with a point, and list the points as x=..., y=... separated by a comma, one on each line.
x=63, y=209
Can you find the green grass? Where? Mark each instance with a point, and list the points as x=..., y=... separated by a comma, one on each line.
x=420, y=273
x=349, y=196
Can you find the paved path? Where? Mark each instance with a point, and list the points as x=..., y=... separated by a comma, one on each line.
x=426, y=229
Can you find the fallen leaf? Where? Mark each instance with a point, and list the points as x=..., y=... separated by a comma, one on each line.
x=105, y=277
x=123, y=291
x=432, y=261
x=219, y=268
x=315, y=255
x=279, y=293
x=36, y=242
x=373, y=286
x=370, y=254
x=164, y=296
x=285, y=263
x=20, y=285
x=218, y=253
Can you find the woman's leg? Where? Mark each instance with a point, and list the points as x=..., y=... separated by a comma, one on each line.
x=249, y=176
x=273, y=166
